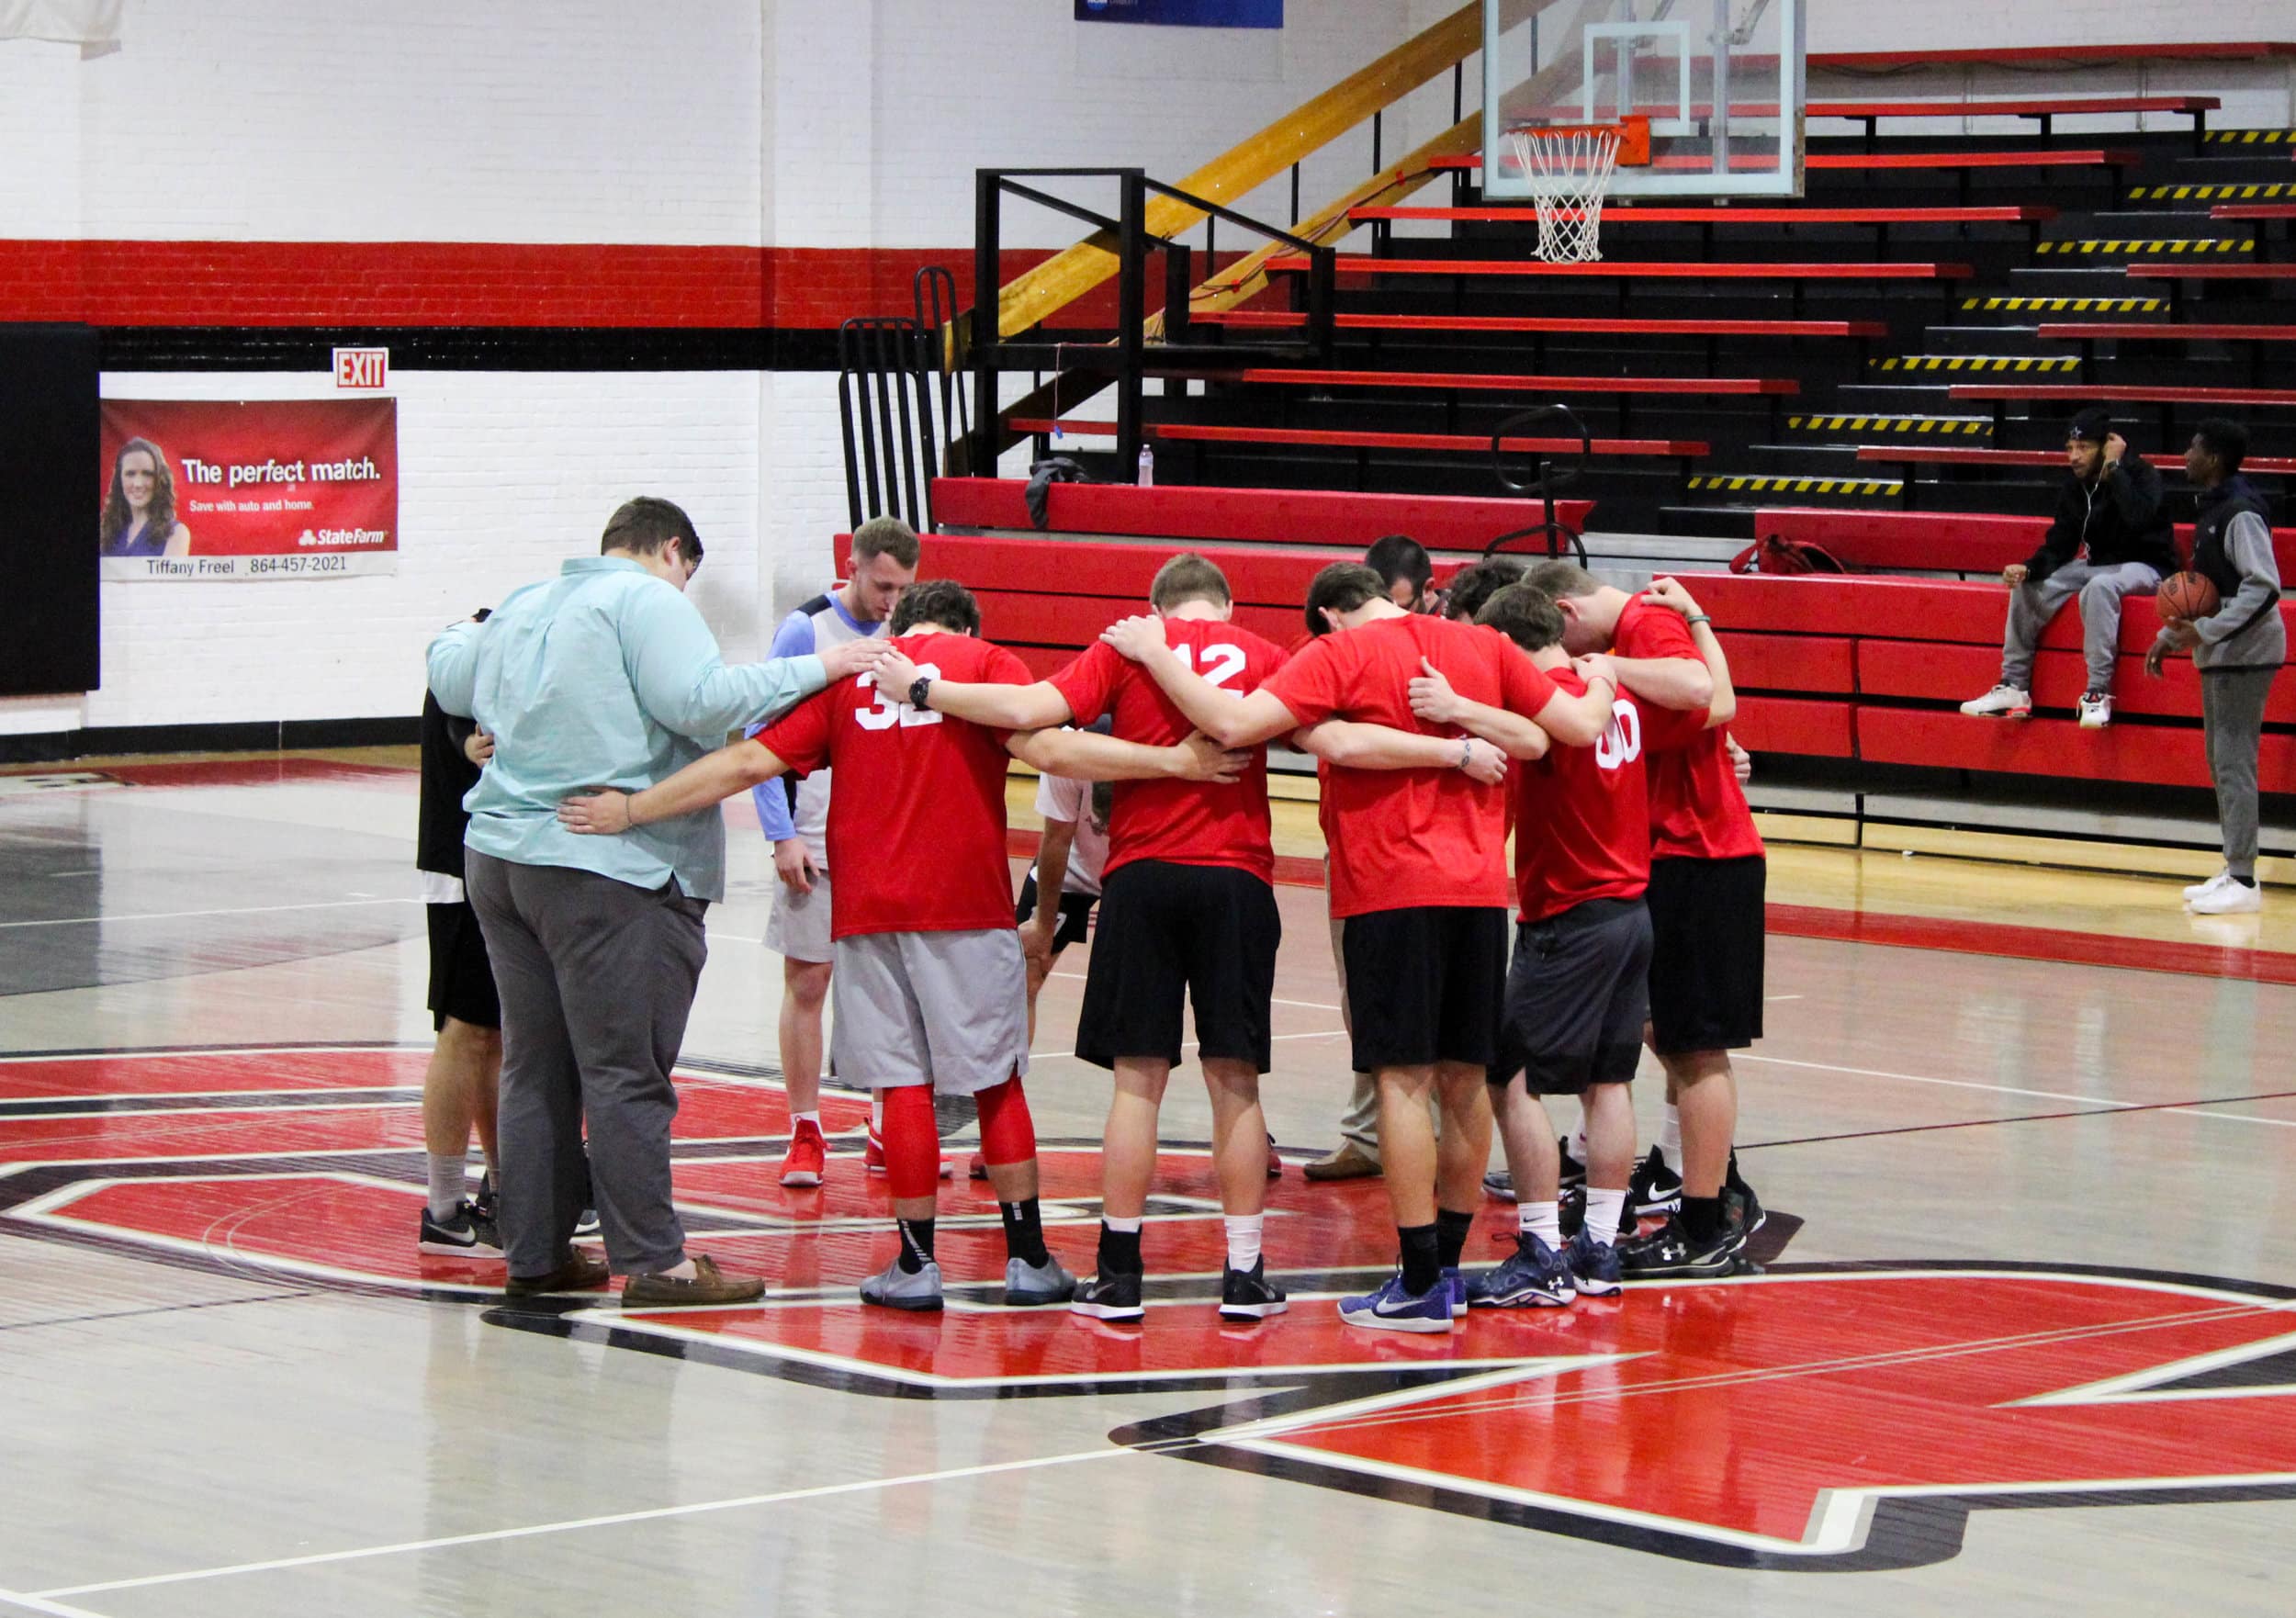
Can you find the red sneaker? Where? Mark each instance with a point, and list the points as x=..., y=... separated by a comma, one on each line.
x=808, y=1153
x=978, y=1167
x=1274, y=1163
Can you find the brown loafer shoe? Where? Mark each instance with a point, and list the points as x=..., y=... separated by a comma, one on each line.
x=1351, y=1162
x=581, y=1272
x=708, y=1286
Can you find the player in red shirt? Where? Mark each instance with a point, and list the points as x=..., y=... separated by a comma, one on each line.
x=1707, y=881
x=1187, y=915
x=1578, y=992
x=1418, y=870
x=931, y=993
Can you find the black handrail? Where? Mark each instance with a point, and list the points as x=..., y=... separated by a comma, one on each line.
x=1544, y=479
x=885, y=411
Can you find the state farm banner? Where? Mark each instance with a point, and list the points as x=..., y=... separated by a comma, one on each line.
x=263, y=488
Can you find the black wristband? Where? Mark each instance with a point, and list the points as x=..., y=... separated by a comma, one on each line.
x=919, y=687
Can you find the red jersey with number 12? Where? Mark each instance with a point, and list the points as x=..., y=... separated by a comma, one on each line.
x=1186, y=822
x=1697, y=809
x=917, y=837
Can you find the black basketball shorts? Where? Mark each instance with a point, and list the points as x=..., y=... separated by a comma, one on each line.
x=1207, y=934
x=462, y=978
x=1707, y=929
x=1578, y=994
x=1425, y=984
x=1076, y=913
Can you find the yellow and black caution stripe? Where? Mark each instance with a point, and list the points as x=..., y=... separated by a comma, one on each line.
x=2250, y=137
x=2259, y=192
x=1973, y=362
x=1747, y=485
x=2064, y=305
x=2193, y=245
x=1936, y=426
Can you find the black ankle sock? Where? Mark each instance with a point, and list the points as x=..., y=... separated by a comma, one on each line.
x=1423, y=1266
x=1702, y=1219
x=2246, y=881
x=1024, y=1230
x=1451, y=1230
x=1120, y=1251
x=917, y=1245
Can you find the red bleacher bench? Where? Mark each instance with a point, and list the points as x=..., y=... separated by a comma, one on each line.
x=1333, y=438
x=1365, y=264
x=1499, y=382
x=2254, y=210
x=2045, y=108
x=1946, y=542
x=1598, y=325
x=2199, y=272
x=2072, y=392
x=1184, y=513
x=2161, y=331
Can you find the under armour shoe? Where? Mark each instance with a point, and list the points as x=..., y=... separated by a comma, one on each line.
x=1391, y=1308
x=466, y=1233
x=2008, y=700
x=1574, y=1171
x=1029, y=1285
x=1655, y=1189
x=808, y=1155
x=1669, y=1252
x=1740, y=1201
x=1532, y=1277
x=894, y=1288
x=1113, y=1295
x=1249, y=1294
x=2096, y=710
x=1500, y=1184
x=1593, y=1266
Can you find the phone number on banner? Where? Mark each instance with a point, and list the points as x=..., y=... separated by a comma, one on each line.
x=301, y=565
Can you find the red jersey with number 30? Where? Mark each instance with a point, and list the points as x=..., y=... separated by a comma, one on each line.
x=917, y=837
x=1187, y=823
x=1697, y=809
x=1583, y=814
x=1403, y=838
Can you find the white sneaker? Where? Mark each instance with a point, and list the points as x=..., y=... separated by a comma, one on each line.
x=2210, y=886
x=2006, y=701
x=2096, y=710
x=2232, y=899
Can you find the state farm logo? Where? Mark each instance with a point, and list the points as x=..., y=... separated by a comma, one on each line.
x=342, y=536
x=1820, y=1417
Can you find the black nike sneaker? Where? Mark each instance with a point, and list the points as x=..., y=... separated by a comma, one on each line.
x=1740, y=1201
x=1111, y=1296
x=1655, y=1189
x=469, y=1234
x=1669, y=1252
x=1245, y=1295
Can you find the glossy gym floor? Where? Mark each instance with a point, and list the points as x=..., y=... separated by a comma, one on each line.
x=2024, y=1338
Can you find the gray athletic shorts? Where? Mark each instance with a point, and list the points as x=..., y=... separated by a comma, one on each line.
x=798, y=927
x=945, y=1009
x=1578, y=994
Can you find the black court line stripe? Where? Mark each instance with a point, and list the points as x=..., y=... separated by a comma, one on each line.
x=159, y=1308
x=2026, y=1117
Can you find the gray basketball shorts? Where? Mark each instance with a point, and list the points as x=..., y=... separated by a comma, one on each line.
x=798, y=927
x=945, y=1009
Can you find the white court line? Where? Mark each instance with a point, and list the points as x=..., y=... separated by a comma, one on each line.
x=186, y=915
x=2101, y=1103
x=819, y=1492
x=10, y=1600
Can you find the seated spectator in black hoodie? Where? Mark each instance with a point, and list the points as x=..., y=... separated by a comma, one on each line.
x=2111, y=539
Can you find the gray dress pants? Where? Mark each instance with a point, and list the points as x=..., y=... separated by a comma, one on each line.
x=2100, y=590
x=597, y=978
x=2231, y=718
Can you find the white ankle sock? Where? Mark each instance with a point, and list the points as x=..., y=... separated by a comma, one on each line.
x=1121, y=1227
x=1243, y=1240
x=812, y=1117
x=450, y=1181
x=1670, y=1139
x=1542, y=1219
x=1602, y=1208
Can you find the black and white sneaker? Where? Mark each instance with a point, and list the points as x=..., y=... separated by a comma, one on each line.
x=1111, y=1296
x=1500, y=1184
x=469, y=1234
x=586, y=1227
x=1740, y=1201
x=1669, y=1252
x=1249, y=1294
x=1574, y=1171
x=1655, y=1189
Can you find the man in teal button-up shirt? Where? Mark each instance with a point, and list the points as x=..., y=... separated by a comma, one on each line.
x=603, y=676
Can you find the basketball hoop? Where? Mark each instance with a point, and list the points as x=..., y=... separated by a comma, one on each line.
x=1570, y=165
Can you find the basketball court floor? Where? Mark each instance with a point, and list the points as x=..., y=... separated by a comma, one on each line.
x=2024, y=1338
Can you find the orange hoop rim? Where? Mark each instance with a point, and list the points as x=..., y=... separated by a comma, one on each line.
x=1633, y=132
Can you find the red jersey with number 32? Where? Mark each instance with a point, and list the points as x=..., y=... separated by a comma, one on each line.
x=917, y=833
x=1697, y=809
x=1186, y=822
x=1403, y=838
x=1583, y=814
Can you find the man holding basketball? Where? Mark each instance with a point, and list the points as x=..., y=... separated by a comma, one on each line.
x=2238, y=642
x=2109, y=540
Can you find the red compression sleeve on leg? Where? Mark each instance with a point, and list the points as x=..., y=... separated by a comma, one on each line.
x=912, y=1141
x=1008, y=1133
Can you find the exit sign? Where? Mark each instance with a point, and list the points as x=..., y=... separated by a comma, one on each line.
x=365, y=370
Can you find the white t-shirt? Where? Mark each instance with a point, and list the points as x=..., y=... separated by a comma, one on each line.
x=1059, y=798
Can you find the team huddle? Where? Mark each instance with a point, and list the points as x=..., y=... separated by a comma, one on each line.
x=1586, y=721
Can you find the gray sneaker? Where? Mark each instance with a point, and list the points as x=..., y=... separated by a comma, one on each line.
x=896, y=1289
x=1028, y=1286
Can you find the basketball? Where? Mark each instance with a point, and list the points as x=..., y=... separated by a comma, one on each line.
x=2186, y=596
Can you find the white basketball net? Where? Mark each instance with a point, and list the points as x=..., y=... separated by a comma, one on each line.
x=1570, y=168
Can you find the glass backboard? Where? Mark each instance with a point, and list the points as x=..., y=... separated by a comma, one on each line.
x=1721, y=81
